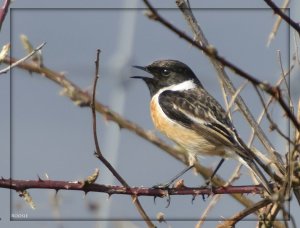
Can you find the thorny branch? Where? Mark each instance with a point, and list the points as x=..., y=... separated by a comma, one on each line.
x=20, y=185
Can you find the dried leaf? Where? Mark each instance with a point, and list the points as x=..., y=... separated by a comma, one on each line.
x=4, y=51
x=37, y=57
x=26, y=44
x=28, y=199
x=179, y=184
x=92, y=178
x=160, y=217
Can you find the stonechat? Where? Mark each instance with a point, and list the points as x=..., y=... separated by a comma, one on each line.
x=187, y=114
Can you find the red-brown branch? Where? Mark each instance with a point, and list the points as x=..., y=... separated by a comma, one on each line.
x=20, y=185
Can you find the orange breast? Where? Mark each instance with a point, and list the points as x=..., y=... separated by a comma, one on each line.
x=187, y=138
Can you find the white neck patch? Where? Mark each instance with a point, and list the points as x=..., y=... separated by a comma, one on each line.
x=186, y=85
x=182, y=86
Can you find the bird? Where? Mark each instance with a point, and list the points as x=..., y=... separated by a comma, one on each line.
x=183, y=110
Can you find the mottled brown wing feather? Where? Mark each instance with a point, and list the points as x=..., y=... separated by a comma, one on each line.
x=199, y=111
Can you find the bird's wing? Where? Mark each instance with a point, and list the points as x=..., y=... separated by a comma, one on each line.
x=199, y=111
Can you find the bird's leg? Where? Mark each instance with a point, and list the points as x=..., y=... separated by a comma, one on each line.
x=208, y=182
x=166, y=185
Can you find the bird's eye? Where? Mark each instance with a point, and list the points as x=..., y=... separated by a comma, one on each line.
x=165, y=72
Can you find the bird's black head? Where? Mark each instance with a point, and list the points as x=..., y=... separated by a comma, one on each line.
x=167, y=73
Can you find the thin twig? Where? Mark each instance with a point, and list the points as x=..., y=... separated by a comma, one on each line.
x=225, y=98
x=297, y=48
x=273, y=126
x=285, y=81
x=235, y=95
x=5, y=70
x=100, y=156
x=262, y=114
x=271, y=99
x=286, y=18
x=277, y=23
x=98, y=151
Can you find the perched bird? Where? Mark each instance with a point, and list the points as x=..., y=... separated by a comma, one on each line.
x=187, y=114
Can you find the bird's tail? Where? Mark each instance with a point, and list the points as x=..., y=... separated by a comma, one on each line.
x=247, y=157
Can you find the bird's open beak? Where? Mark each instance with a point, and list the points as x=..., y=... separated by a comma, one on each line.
x=150, y=81
x=141, y=68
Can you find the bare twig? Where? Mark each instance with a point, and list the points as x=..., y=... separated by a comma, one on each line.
x=273, y=126
x=277, y=23
x=5, y=70
x=271, y=99
x=297, y=47
x=99, y=155
x=285, y=81
x=235, y=95
x=286, y=18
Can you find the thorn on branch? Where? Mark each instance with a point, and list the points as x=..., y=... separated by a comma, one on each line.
x=154, y=199
x=168, y=200
x=40, y=179
x=193, y=198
